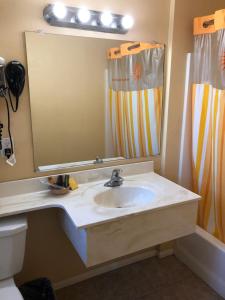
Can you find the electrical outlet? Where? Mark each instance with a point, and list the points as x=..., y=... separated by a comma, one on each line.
x=6, y=144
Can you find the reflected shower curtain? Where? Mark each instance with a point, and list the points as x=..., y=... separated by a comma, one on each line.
x=135, y=96
x=208, y=122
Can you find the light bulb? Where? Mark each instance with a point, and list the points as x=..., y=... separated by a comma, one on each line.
x=84, y=15
x=127, y=22
x=59, y=10
x=106, y=18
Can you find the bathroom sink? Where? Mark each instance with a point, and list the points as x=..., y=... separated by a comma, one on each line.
x=124, y=197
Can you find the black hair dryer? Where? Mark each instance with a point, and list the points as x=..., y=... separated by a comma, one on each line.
x=15, y=77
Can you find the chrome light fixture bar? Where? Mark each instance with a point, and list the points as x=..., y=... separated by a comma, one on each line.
x=81, y=18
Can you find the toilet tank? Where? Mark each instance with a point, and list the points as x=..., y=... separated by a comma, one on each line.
x=12, y=245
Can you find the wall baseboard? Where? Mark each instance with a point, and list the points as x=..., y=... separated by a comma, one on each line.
x=165, y=253
x=106, y=268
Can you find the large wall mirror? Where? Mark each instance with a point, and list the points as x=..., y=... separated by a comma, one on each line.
x=93, y=98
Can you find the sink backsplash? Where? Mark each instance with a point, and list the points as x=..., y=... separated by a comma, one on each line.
x=32, y=185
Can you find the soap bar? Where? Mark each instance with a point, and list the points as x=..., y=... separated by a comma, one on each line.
x=73, y=184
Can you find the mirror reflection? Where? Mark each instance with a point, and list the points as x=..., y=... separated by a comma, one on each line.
x=93, y=98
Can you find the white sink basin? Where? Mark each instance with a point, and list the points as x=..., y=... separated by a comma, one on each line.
x=124, y=197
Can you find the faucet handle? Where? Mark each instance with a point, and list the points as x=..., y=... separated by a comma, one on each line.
x=116, y=172
x=98, y=160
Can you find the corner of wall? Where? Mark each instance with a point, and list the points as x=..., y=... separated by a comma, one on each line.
x=168, y=68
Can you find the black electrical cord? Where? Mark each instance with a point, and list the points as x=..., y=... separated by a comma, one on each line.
x=9, y=125
x=3, y=94
x=17, y=102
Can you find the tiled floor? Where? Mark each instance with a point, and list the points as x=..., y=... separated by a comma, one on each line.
x=151, y=279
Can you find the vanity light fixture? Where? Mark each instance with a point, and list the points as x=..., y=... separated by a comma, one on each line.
x=81, y=18
x=73, y=20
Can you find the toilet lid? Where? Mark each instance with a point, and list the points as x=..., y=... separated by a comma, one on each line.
x=9, y=291
x=12, y=225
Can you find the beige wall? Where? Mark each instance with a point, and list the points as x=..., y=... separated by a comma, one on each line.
x=48, y=252
x=182, y=43
x=151, y=23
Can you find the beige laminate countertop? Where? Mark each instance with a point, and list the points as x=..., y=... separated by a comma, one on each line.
x=84, y=211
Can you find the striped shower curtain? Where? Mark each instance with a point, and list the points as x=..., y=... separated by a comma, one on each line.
x=136, y=122
x=135, y=99
x=208, y=122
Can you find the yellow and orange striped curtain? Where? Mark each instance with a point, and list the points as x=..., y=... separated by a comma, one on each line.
x=208, y=122
x=135, y=98
x=136, y=122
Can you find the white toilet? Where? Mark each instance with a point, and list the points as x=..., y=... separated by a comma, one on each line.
x=12, y=248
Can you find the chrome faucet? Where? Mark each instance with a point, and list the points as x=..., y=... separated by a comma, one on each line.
x=116, y=179
x=98, y=160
